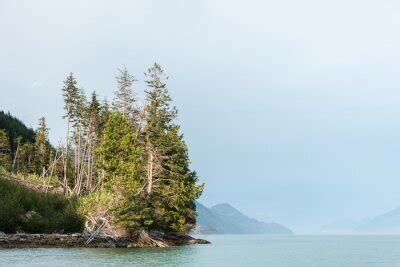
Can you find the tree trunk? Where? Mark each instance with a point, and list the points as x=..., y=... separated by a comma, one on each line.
x=66, y=158
x=16, y=155
x=150, y=174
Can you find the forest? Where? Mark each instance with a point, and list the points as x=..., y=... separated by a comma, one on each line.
x=120, y=164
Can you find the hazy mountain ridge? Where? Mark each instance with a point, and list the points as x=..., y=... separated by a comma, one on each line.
x=386, y=223
x=225, y=219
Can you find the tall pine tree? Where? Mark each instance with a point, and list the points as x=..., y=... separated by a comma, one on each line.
x=71, y=96
x=171, y=185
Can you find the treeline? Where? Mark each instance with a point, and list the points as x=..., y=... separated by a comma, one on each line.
x=128, y=164
x=20, y=146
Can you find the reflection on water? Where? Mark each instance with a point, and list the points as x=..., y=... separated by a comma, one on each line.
x=228, y=250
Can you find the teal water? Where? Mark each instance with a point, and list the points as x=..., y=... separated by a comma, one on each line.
x=227, y=250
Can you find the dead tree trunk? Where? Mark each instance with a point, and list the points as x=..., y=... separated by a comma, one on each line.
x=150, y=173
x=66, y=158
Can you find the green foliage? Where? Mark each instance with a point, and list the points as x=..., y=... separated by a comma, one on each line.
x=173, y=198
x=131, y=163
x=118, y=152
x=22, y=209
x=98, y=200
x=15, y=128
x=71, y=96
x=33, y=178
x=42, y=145
x=4, y=150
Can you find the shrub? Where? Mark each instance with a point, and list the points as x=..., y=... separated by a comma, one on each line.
x=25, y=210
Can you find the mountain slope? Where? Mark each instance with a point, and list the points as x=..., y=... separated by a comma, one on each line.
x=225, y=219
x=387, y=223
x=14, y=128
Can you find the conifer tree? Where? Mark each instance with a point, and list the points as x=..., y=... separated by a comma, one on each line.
x=4, y=150
x=92, y=131
x=41, y=144
x=171, y=185
x=71, y=95
x=125, y=100
x=118, y=155
x=26, y=159
x=103, y=116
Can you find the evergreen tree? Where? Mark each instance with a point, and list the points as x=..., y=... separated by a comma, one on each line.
x=71, y=95
x=41, y=144
x=118, y=155
x=124, y=100
x=26, y=159
x=103, y=116
x=171, y=185
x=92, y=131
x=4, y=150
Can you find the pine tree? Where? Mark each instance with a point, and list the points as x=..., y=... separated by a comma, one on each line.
x=103, y=116
x=124, y=100
x=159, y=116
x=118, y=155
x=171, y=185
x=26, y=159
x=71, y=95
x=41, y=144
x=4, y=150
x=92, y=131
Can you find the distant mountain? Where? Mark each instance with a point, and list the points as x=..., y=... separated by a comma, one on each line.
x=346, y=226
x=387, y=223
x=225, y=219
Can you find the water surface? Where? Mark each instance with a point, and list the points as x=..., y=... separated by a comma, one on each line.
x=228, y=250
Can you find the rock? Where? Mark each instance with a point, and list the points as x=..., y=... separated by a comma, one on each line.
x=202, y=241
x=22, y=235
x=144, y=239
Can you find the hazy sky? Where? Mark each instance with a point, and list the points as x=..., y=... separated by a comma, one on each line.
x=291, y=109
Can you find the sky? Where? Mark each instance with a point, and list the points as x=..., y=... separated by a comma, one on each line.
x=291, y=109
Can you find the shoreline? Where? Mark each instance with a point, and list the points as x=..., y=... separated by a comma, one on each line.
x=146, y=240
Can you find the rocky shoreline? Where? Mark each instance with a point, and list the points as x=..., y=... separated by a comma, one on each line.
x=145, y=239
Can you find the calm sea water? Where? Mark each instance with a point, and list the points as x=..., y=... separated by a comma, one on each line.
x=227, y=250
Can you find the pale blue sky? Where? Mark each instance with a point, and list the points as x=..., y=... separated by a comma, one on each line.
x=291, y=109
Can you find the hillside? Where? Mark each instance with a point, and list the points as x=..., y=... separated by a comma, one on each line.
x=15, y=128
x=225, y=219
x=387, y=223
x=24, y=209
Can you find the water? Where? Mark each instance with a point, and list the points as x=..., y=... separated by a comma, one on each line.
x=228, y=250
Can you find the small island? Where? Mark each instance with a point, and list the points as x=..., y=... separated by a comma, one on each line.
x=119, y=178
